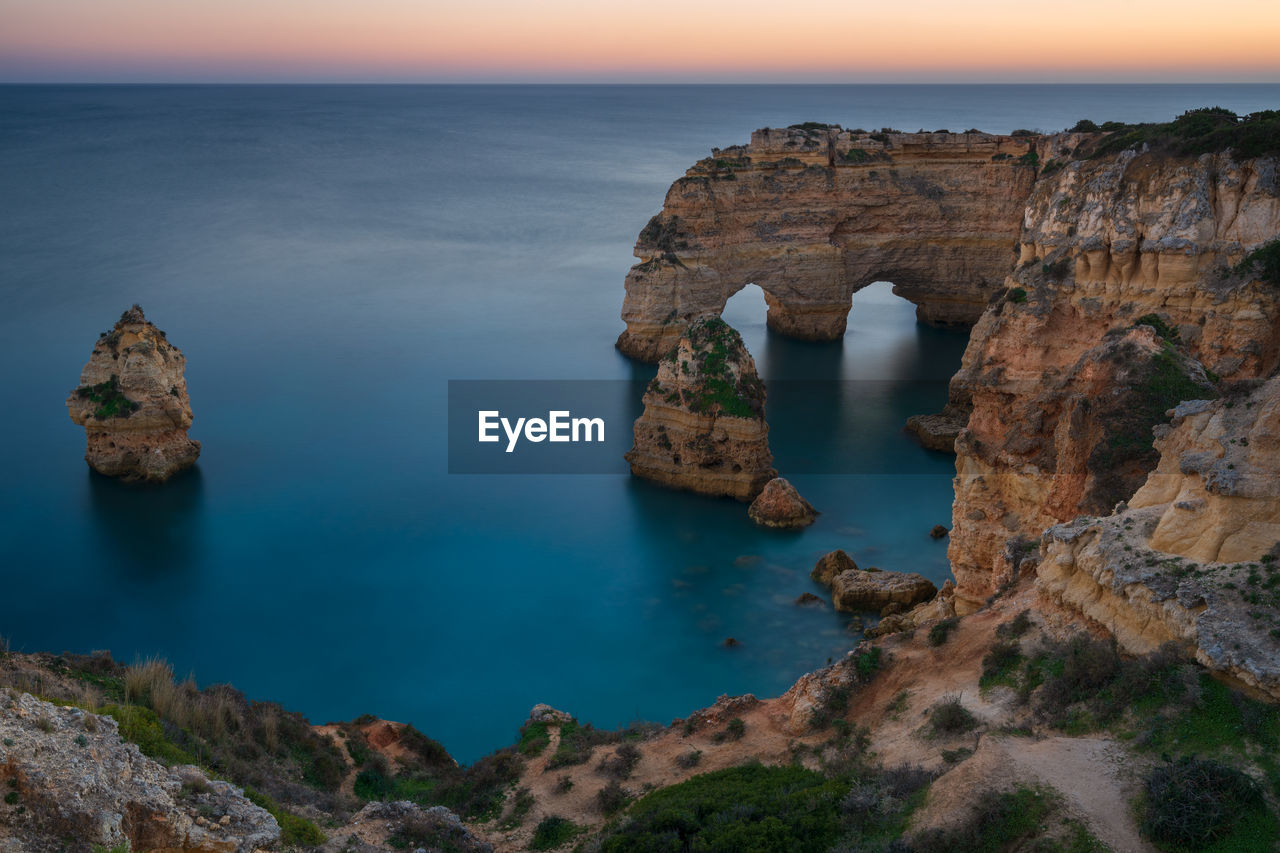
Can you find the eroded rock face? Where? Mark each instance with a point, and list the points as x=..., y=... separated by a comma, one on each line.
x=703, y=426
x=856, y=590
x=1193, y=558
x=814, y=214
x=132, y=401
x=781, y=506
x=1119, y=257
x=1218, y=480
x=73, y=778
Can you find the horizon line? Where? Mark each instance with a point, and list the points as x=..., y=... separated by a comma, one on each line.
x=586, y=83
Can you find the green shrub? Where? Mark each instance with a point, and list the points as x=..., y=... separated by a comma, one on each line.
x=941, y=631
x=866, y=664
x=293, y=829
x=1017, y=295
x=1163, y=329
x=745, y=808
x=142, y=727
x=552, y=832
x=622, y=763
x=1262, y=263
x=534, y=738
x=112, y=403
x=690, y=759
x=1016, y=627
x=1084, y=126
x=1000, y=663
x=612, y=798
x=1193, y=803
x=577, y=743
x=734, y=730
x=949, y=717
x=997, y=822
x=1200, y=131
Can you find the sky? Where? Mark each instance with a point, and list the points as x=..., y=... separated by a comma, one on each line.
x=747, y=41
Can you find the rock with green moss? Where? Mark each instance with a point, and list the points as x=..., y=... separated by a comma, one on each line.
x=132, y=402
x=703, y=428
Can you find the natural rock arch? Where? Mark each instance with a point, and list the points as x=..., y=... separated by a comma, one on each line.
x=812, y=215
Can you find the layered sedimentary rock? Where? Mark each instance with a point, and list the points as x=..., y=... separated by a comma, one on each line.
x=1120, y=306
x=67, y=775
x=703, y=426
x=132, y=401
x=780, y=505
x=1193, y=558
x=812, y=214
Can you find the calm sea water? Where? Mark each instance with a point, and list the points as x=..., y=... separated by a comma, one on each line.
x=328, y=258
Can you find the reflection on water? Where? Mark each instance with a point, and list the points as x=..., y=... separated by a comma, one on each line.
x=146, y=530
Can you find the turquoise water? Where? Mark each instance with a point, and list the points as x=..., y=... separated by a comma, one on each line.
x=328, y=258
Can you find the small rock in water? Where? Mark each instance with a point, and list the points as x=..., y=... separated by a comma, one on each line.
x=830, y=565
x=730, y=642
x=938, y=532
x=781, y=506
x=808, y=598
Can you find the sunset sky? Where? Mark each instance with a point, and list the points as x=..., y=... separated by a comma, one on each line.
x=838, y=41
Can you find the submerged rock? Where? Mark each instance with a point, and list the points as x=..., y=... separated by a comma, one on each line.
x=780, y=505
x=703, y=426
x=937, y=532
x=132, y=401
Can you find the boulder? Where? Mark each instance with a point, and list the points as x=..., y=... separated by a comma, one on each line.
x=858, y=590
x=780, y=505
x=831, y=564
x=937, y=532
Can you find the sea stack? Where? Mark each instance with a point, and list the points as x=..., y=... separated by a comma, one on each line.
x=132, y=401
x=703, y=427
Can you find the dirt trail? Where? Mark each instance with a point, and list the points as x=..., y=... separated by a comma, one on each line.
x=1086, y=771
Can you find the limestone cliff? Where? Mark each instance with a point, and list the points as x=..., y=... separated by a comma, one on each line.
x=703, y=426
x=814, y=213
x=1123, y=262
x=68, y=776
x=132, y=401
x=1192, y=558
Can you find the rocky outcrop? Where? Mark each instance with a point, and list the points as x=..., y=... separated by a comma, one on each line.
x=132, y=401
x=938, y=432
x=814, y=213
x=1218, y=480
x=1192, y=559
x=941, y=606
x=703, y=426
x=67, y=775
x=858, y=590
x=780, y=505
x=1120, y=306
x=402, y=825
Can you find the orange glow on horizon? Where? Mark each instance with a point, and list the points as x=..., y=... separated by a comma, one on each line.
x=663, y=39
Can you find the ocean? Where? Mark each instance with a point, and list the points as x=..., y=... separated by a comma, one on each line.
x=329, y=258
